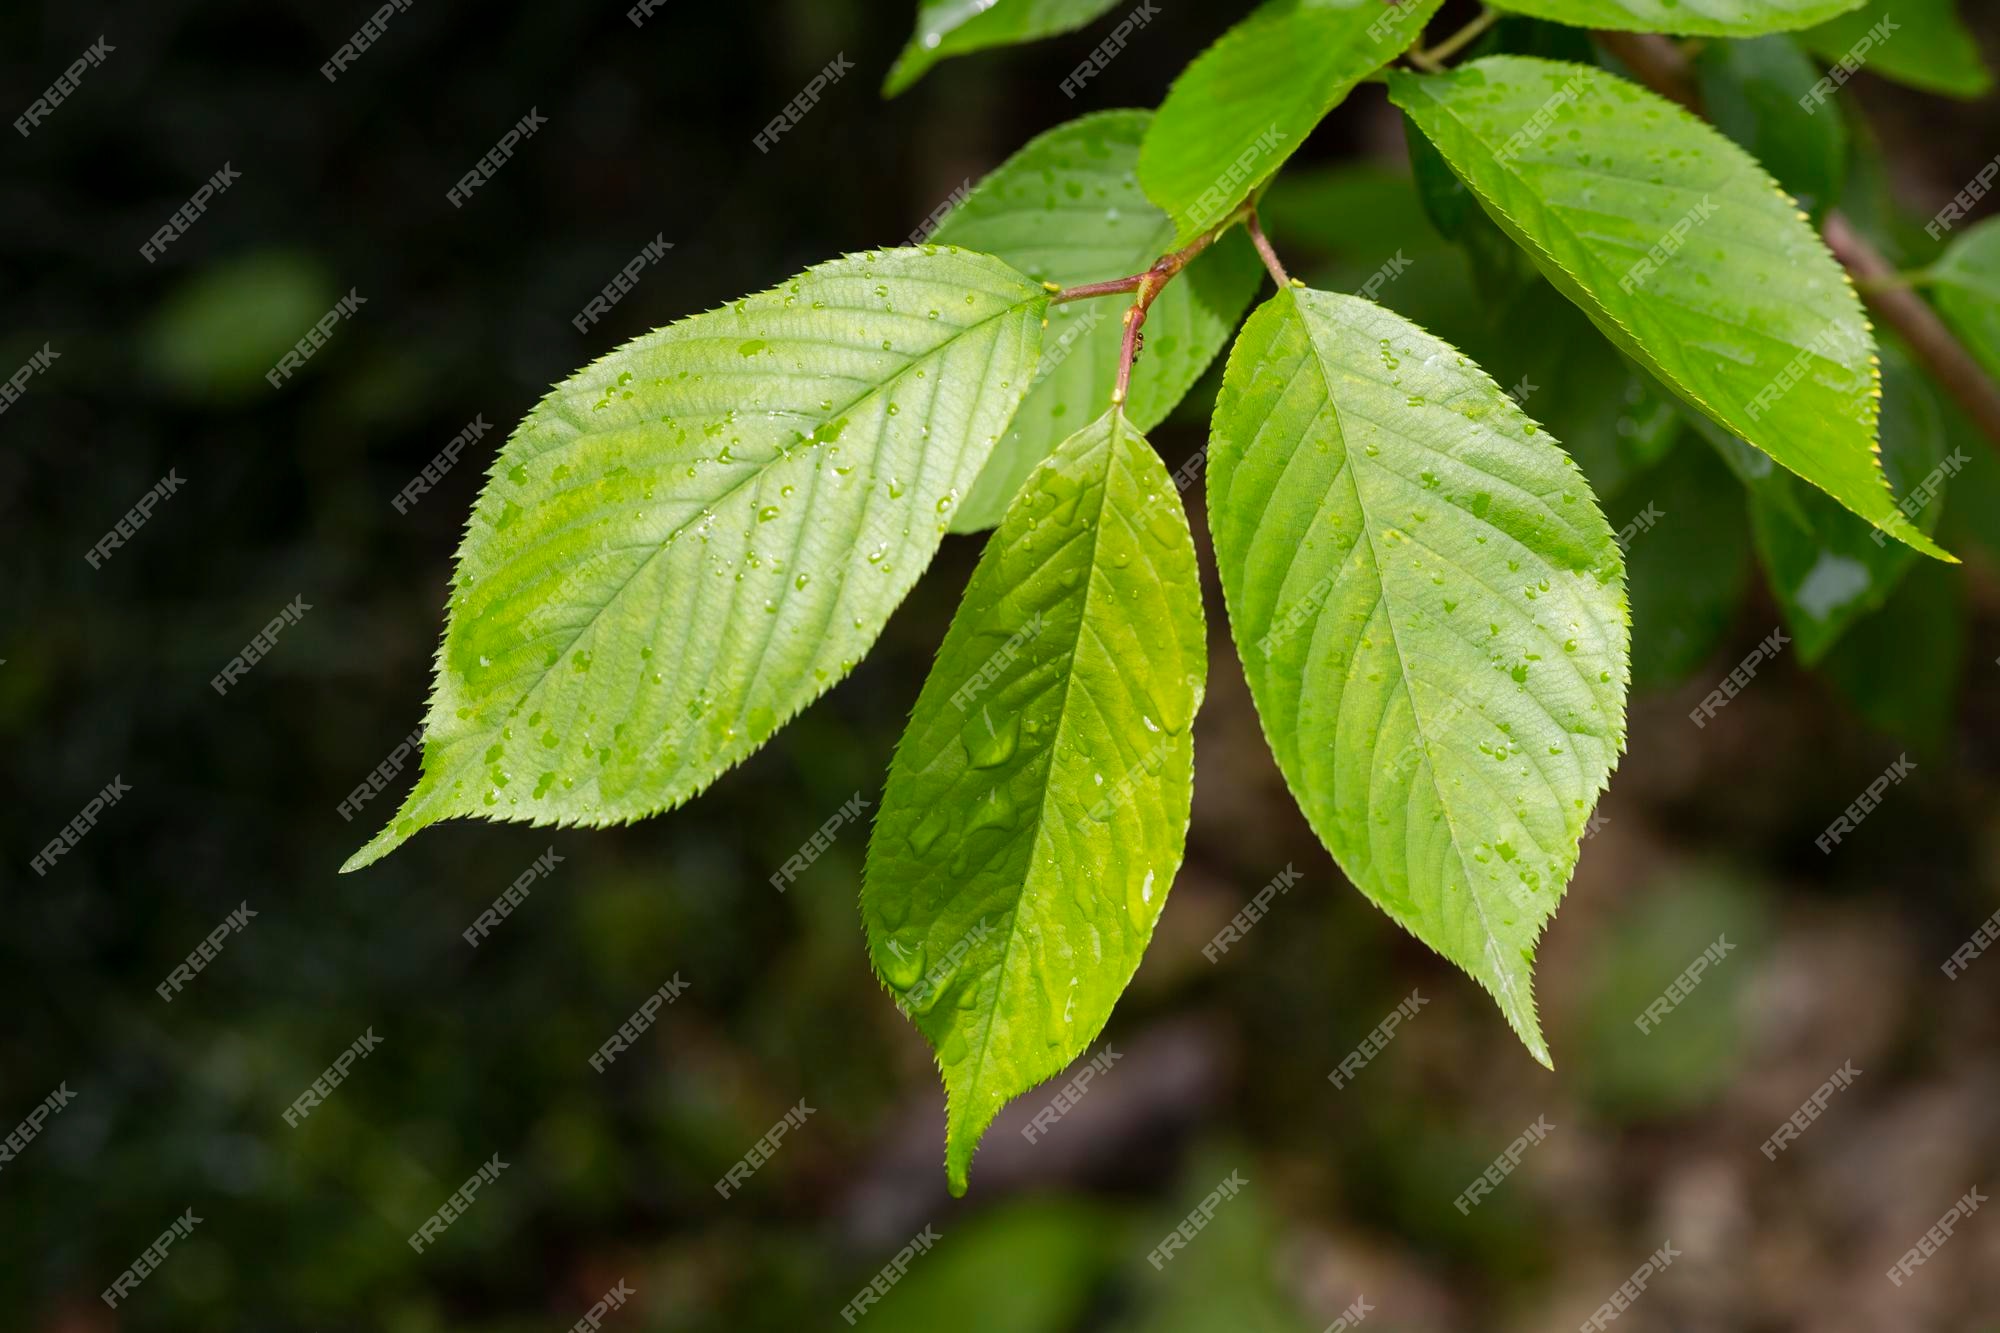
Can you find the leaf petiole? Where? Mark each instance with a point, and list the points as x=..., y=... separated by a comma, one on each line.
x=1431, y=59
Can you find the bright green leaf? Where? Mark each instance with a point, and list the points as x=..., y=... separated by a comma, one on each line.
x=1708, y=18
x=1068, y=209
x=1826, y=567
x=1966, y=283
x=1753, y=91
x=1923, y=44
x=1036, y=809
x=1431, y=615
x=1248, y=102
x=954, y=27
x=1681, y=249
x=695, y=536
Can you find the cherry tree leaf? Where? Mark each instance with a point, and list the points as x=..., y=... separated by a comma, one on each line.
x=1038, y=803
x=1248, y=102
x=1682, y=250
x=1068, y=209
x=692, y=538
x=1708, y=18
x=955, y=27
x=1430, y=610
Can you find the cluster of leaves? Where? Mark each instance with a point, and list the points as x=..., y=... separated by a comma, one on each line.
x=692, y=538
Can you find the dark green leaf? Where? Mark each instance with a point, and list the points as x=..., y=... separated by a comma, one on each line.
x=954, y=27
x=1760, y=92
x=1918, y=42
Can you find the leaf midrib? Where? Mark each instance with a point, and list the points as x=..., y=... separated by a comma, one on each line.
x=1055, y=749
x=749, y=478
x=1403, y=674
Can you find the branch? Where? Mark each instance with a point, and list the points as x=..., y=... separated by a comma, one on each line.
x=1659, y=64
x=1431, y=60
x=1265, y=252
x=1941, y=353
x=1149, y=285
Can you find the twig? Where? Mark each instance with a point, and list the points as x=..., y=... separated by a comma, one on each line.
x=1149, y=284
x=1265, y=252
x=1910, y=315
x=1661, y=66
x=1163, y=268
x=1431, y=59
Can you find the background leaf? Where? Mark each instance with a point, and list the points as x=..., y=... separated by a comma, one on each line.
x=1824, y=565
x=692, y=538
x=1710, y=18
x=1068, y=209
x=1248, y=102
x=1752, y=90
x=1901, y=667
x=1689, y=569
x=1431, y=615
x=1681, y=249
x=954, y=27
x=1966, y=284
x=1929, y=47
x=1035, y=813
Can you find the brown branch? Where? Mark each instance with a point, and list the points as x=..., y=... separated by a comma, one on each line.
x=1659, y=64
x=1265, y=252
x=1153, y=281
x=1936, y=348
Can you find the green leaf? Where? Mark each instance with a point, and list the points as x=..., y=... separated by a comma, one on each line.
x=1068, y=209
x=693, y=537
x=1707, y=18
x=1753, y=91
x=1825, y=566
x=1500, y=271
x=1687, y=563
x=1923, y=625
x=1431, y=615
x=1614, y=419
x=1036, y=809
x=955, y=27
x=1927, y=47
x=1966, y=283
x=1248, y=102
x=1682, y=251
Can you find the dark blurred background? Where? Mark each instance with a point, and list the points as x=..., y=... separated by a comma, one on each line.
x=172, y=1107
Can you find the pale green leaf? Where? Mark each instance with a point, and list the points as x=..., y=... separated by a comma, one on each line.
x=1707, y=18
x=1681, y=249
x=954, y=27
x=1923, y=44
x=1036, y=809
x=1248, y=102
x=693, y=537
x=1430, y=609
x=1068, y=209
x=1966, y=283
